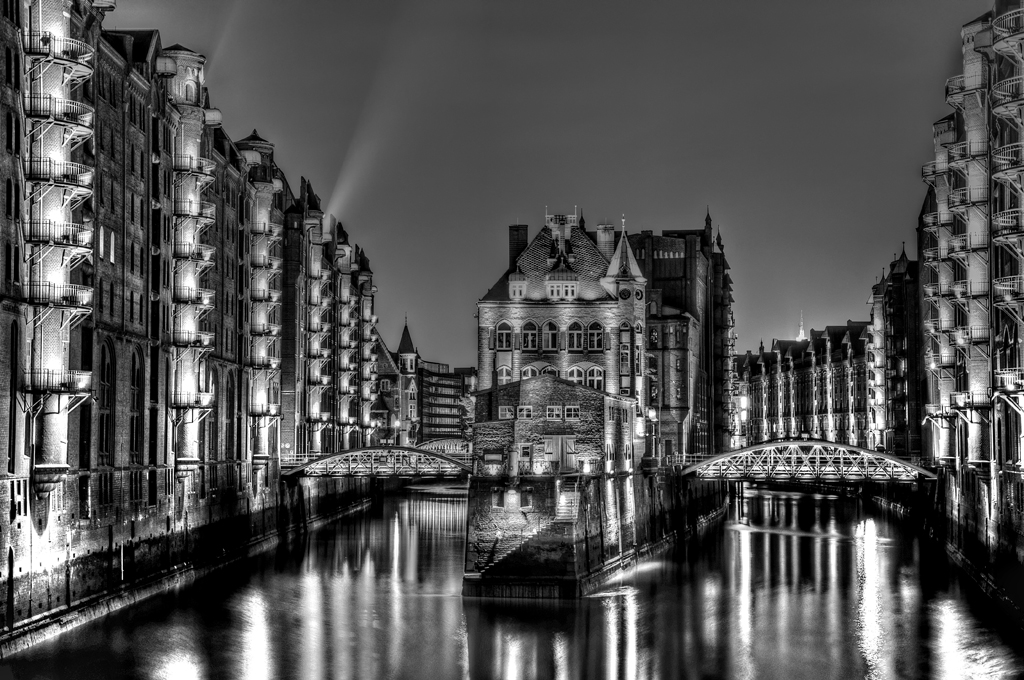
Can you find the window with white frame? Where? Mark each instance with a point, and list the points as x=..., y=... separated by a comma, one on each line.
x=530, y=372
x=529, y=336
x=595, y=337
x=575, y=337
x=504, y=336
x=525, y=413
x=550, y=336
x=505, y=412
x=504, y=375
x=595, y=378
x=576, y=375
x=554, y=412
x=572, y=412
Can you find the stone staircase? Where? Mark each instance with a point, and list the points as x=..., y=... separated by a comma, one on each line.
x=509, y=543
x=568, y=502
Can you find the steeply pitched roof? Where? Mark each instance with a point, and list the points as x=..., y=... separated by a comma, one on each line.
x=588, y=264
x=405, y=346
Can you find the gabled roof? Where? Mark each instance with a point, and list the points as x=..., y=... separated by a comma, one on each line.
x=623, y=264
x=588, y=263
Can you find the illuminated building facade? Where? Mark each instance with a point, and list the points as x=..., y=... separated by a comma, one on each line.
x=153, y=269
x=813, y=387
x=896, y=370
x=425, y=400
x=689, y=340
x=970, y=239
x=571, y=305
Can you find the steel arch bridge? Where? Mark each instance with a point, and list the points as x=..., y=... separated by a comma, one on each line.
x=807, y=461
x=382, y=461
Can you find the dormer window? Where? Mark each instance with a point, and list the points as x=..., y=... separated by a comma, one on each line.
x=562, y=290
x=517, y=285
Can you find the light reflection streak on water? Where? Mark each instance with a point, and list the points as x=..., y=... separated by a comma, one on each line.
x=792, y=589
x=255, y=635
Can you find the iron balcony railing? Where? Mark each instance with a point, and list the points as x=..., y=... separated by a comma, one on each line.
x=318, y=417
x=1011, y=23
x=266, y=229
x=936, y=219
x=971, y=335
x=58, y=109
x=264, y=361
x=74, y=54
x=940, y=359
x=190, y=295
x=264, y=295
x=49, y=232
x=969, y=400
x=183, y=338
x=192, y=400
x=1009, y=288
x=1010, y=379
x=957, y=86
x=58, y=294
x=965, y=196
x=1006, y=95
x=261, y=410
x=203, y=210
x=264, y=328
x=963, y=151
x=195, y=165
x=538, y=467
x=1008, y=224
x=962, y=289
x=59, y=381
x=964, y=243
x=262, y=261
x=189, y=250
x=64, y=173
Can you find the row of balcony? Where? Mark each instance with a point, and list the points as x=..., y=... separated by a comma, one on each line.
x=75, y=177
x=62, y=234
x=270, y=229
x=61, y=111
x=194, y=165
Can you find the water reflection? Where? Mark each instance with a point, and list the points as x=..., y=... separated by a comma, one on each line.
x=793, y=586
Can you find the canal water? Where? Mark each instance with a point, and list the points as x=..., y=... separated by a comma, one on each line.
x=790, y=586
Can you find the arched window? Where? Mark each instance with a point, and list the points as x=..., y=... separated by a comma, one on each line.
x=105, y=399
x=135, y=411
x=549, y=370
x=530, y=372
x=529, y=336
x=9, y=132
x=8, y=66
x=576, y=375
x=595, y=337
x=575, y=337
x=12, y=393
x=504, y=375
x=190, y=93
x=595, y=378
x=550, y=336
x=9, y=198
x=504, y=335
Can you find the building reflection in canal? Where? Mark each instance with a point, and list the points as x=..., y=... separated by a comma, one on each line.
x=792, y=586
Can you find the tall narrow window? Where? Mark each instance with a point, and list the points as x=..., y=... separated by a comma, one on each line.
x=575, y=337
x=214, y=418
x=106, y=405
x=504, y=375
x=595, y=337
x=550, y=336
x=529, y=336
x=504, y=335
x=135, y=412
x=229, y=444
x=595, y=378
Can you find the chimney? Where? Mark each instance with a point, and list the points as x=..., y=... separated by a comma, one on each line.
x=606, y=240
x=517, y=243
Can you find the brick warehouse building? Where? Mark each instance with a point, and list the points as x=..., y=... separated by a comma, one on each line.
x=583, y=307
x=175, y=314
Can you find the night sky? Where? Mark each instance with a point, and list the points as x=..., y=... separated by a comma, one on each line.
x=428, y=126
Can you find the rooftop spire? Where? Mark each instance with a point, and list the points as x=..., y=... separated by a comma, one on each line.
x=800, y=336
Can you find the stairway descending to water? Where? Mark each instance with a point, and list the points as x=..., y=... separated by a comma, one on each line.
x=568, y=502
